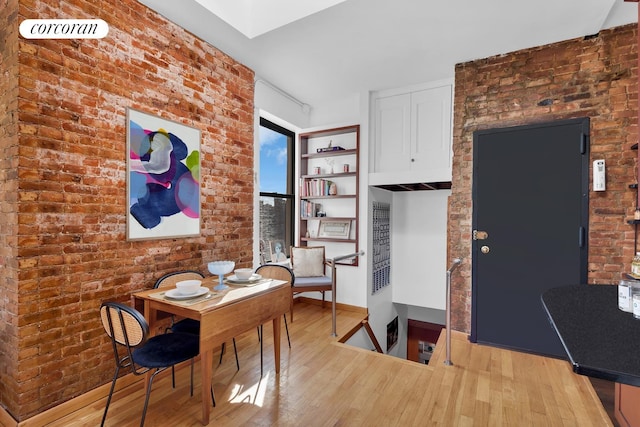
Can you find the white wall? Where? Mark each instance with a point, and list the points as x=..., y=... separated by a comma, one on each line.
x=353, y=282
x=418, y=258
x=282, y=109
x=345, y=110
x=381, y=308
x=418, y=247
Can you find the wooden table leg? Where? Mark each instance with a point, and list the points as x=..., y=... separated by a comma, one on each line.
x=206, y=363
x=151, y=316
x=276, y=342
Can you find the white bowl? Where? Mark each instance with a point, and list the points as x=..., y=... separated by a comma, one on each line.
x=221, y=267
x=244, y=273
x=188, y=287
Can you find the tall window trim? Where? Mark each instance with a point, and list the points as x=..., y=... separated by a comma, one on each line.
x=290, y=181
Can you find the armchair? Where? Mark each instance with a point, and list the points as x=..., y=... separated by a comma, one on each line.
x=310, y=268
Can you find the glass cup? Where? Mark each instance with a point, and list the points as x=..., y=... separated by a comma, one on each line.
x=624, y=296
x=636, y=303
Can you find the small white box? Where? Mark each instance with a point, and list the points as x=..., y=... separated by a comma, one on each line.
x=599, y=180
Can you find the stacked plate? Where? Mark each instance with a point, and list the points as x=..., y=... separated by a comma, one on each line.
x=235, y=279
x=186, y=289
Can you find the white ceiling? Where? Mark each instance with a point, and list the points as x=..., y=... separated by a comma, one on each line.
x=255, y=17
x=338, y=48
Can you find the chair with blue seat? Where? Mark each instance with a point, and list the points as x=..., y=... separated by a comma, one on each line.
x=189, y=326
x=132, y=349
x=310, y=268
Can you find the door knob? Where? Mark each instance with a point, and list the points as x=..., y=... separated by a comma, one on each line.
x=485, y=249
x=480, y=235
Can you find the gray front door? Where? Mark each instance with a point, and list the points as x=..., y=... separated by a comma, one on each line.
x=530, y=197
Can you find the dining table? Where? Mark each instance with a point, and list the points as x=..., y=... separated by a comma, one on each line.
x=223, y=315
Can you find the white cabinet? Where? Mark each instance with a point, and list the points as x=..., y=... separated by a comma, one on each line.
x=412, y=135
x=392, y=133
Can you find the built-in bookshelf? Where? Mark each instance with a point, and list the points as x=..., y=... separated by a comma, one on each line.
x=328, y=190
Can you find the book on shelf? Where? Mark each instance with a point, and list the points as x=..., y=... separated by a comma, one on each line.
x=327, y=149
x=315, y=187
x=309, y=209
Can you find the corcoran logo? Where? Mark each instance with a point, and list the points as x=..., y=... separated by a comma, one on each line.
x=64, y=28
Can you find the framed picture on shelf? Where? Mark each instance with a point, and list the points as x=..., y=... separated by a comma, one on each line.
x=334, y=229
x=278, y=253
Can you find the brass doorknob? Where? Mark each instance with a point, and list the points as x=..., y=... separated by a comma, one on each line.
x=485, y=249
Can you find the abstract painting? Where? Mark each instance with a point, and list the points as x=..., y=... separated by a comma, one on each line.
x=163, y=170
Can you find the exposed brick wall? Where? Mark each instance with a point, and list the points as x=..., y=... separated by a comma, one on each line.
x=594, y=77
x=8, y=201
x=68, y=163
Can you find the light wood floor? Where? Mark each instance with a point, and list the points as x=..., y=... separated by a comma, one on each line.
x=325, y=383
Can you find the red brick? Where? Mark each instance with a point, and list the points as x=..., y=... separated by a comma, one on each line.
x=595, y=78
x=65, y=250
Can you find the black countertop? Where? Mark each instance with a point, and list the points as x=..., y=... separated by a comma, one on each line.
x=601, y=340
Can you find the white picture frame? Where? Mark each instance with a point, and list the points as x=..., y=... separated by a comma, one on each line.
x=334, y=229
x=153, y=213
x=278, y=251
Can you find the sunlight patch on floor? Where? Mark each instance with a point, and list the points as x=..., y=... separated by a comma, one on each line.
x=254, y=394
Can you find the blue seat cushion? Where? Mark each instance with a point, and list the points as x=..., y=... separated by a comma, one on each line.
x=166, y=350
x=186, y=326
x=312, y=281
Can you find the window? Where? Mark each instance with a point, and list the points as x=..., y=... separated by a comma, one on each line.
x=276, y=189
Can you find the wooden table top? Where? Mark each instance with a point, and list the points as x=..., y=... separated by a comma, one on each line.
x=215, y=299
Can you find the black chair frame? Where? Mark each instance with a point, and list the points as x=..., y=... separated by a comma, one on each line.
x=189, y=326
x=118, y=331
x=286, y=326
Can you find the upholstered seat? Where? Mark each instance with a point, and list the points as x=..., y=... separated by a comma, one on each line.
x=161, y=349
x=133, y=350
x=313, y=281
x=310, y=269
x=188, y=326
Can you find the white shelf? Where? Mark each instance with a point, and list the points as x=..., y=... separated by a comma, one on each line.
x=320, y=166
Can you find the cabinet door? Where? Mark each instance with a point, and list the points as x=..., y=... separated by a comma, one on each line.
x=431, y=129
x=626, y=410
x=392, y=136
